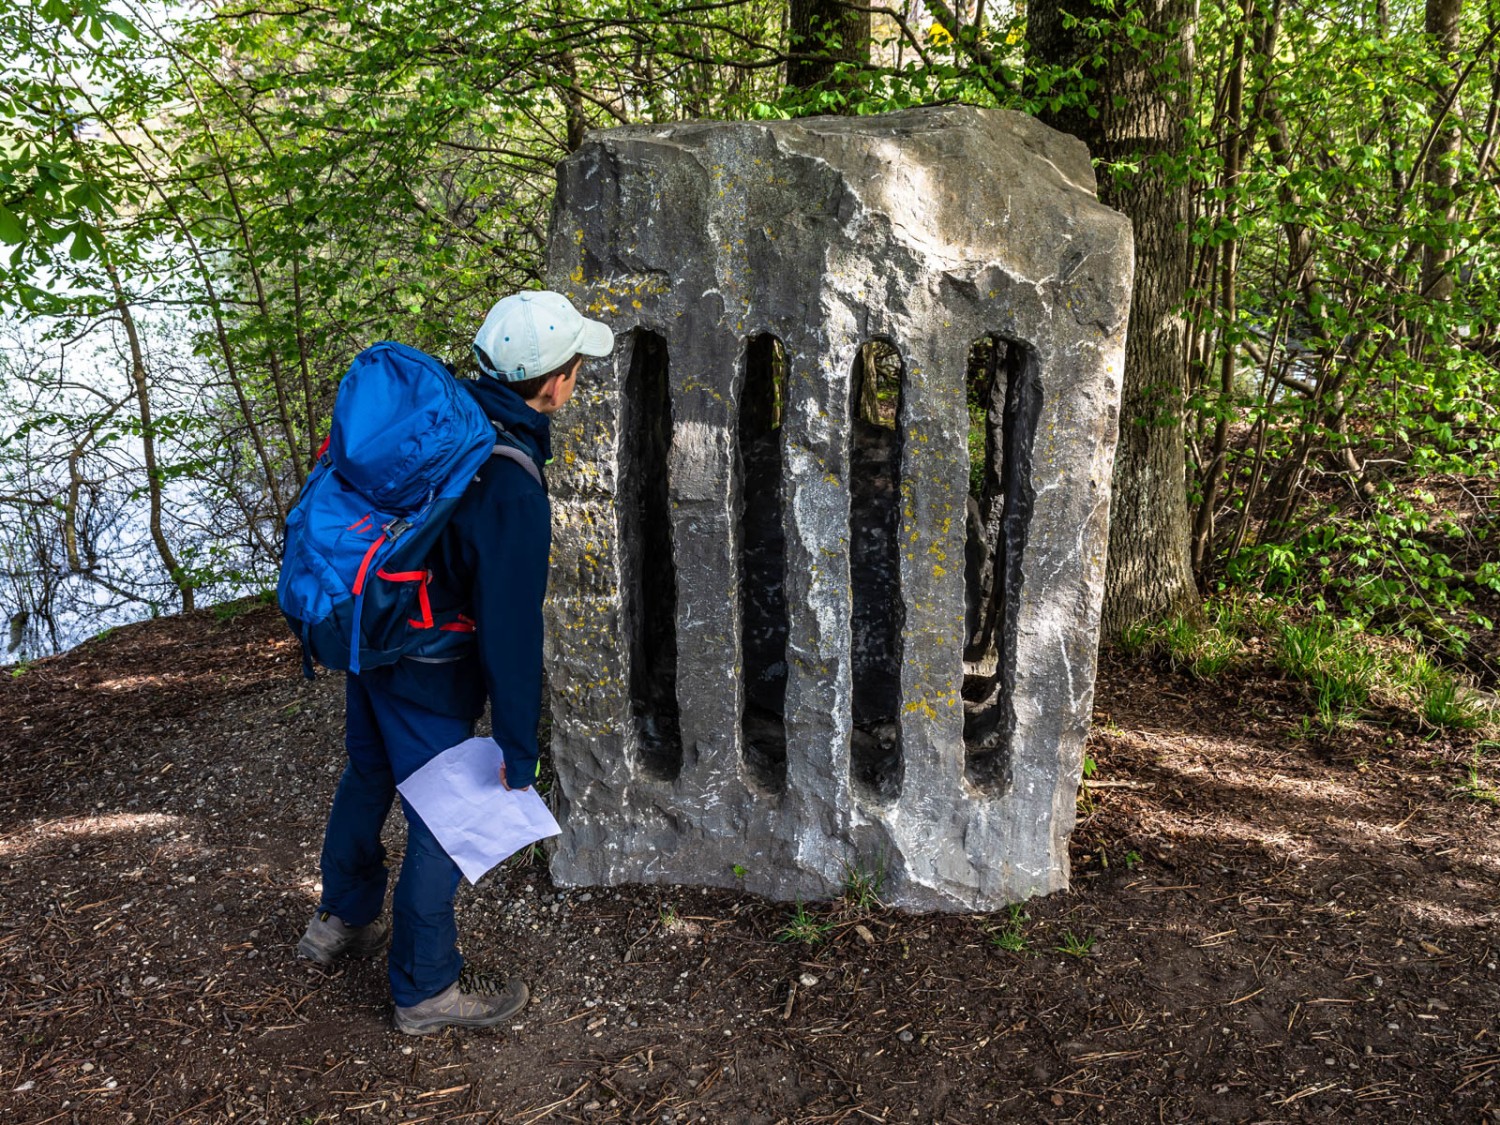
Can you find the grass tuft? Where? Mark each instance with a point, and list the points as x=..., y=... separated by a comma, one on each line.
x=1338, y=671
x=1450, y=706
x=1343, y=671
x=805, y=928
x=862, y=888
x=1073, y=945
x=1011, y=935
x=1205, y=649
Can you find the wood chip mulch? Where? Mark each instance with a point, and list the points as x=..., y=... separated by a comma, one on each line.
x=1266, y=925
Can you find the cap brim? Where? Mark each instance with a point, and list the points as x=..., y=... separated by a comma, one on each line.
x=597, y=339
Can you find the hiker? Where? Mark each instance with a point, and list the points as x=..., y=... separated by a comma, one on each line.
x=487, y=572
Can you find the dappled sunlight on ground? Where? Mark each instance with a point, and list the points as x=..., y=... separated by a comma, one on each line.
x=17, y=844
x=1447, y=915
x=1262, y=926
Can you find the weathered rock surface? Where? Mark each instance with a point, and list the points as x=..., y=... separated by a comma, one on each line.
x=716, y=720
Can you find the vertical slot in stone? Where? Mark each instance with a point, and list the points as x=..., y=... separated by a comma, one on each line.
x=650, y=577
x=875, y=443
x=762, y=562
x=1005, y=401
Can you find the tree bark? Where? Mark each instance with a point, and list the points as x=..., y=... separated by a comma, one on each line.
x=1441, y=172
x=823, y=34
x=1213, y=473
x=1141, y=105
x=138, y=379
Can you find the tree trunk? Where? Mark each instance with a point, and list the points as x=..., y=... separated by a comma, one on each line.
x=138, y=378
x=1213, y=473
x=823, y=34
x=1441, y=172
x=1141, y=106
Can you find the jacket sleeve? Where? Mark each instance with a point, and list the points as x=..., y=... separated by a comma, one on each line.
x=510, y=545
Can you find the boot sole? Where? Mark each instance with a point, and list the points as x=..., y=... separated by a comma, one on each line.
x=431, y=1024
x=319, y=955
x=309, y=952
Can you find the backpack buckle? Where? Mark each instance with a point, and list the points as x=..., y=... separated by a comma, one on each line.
x=395, y=529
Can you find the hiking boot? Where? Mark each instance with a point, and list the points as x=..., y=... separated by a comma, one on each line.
x=476, y=999
x=328, y=938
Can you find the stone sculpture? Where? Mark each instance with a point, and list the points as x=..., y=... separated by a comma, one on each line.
x=793, y=634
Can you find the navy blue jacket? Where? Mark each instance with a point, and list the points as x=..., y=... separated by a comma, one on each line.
x=491, y=564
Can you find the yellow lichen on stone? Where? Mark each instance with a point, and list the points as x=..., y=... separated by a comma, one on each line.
x=921, y=706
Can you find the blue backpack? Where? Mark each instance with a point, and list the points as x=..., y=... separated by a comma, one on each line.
x=406, y=440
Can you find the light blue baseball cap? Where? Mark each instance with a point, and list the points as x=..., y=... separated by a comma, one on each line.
x=536, y=333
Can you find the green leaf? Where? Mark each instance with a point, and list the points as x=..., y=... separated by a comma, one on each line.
x=122, y=25
x=81, y=250
x=12, y=229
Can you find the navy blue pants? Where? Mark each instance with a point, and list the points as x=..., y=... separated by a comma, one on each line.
x=387, y=739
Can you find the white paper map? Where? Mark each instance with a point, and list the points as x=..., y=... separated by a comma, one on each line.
x=478, y=821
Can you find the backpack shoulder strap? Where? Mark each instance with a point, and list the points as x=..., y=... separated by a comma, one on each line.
x=509, y=448
x=514, y=454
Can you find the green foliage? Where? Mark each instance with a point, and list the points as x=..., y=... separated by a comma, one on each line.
x=805, y=928
x=1350, y=373
x=862, y=888
x=1010, y=936
x=1075, y=946
x=229, y=611
x=267, y=187
x=1447, y=705
x=1381, y=565
x=1204, y=649
x=1337, y=671
x=1342, y=669
x=55, y=186
x=1474, y=786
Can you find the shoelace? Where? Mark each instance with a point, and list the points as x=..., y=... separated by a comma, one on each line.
x=475, y=981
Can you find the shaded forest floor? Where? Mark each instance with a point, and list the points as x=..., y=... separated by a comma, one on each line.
x=1266, y=925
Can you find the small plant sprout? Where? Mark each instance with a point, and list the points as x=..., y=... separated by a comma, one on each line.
x=1474, y=786
x=1132, y=860
x=740, y=870
x=1136, y=637
x=667, y=915
x=1010, y=936
x=862, y=888
x=1073, y=945
x=1085, y=794
x=804, y=928
x=530, y=855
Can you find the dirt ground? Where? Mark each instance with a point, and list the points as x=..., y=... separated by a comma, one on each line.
x=1264, y=926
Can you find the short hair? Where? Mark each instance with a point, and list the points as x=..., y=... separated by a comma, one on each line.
x=528, y=389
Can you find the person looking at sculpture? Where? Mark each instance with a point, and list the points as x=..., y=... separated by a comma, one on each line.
x=489, y=565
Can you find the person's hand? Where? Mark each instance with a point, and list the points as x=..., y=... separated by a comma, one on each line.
x=506, y=783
